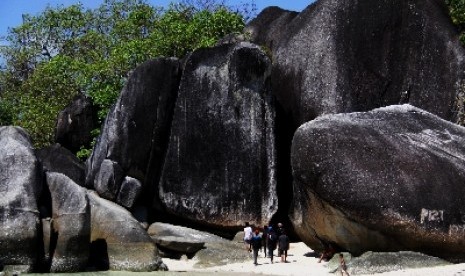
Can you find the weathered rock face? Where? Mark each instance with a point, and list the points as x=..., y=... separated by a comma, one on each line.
x=75, y=123
x=385, y=180
x=221, y=253
x=135, y=133
x=20, y=188
x=129, y=192
x=71, y=224
x=159, y=229
x=342, y=56
x=128, y=246
x=372, y=263
x=175, y=241
x=58, y=159
x=270, y=26
x=219, y=168
x=108, y=180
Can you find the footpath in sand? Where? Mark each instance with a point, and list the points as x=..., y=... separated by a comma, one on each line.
x=301, y=261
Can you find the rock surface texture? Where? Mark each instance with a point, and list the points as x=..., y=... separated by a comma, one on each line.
x=385, y=180
x=56, y=158
x=176, y=240
x=71, y=224
x=128, y=246
x=159, y=229
x=75, y=124
x=342, y=56
x=20, y=188
x=270, y=26
x=220, y=164
x=372, y=263
x=129, y=192
x=136, y=131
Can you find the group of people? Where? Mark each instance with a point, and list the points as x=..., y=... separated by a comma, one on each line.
x=269, y=239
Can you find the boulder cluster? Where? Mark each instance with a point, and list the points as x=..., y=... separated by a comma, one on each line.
x=338, y=120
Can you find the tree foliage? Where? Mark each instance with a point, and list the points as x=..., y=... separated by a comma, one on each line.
x=457, y=14
x=64, y=51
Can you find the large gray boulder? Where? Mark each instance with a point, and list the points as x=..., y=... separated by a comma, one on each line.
x=386, y=180
x=176, y=240
x=56, y=158
x=20, y=188
x=174, y=247
x=221, y=253
x=70, y=222
x=159, y=229
x=75, y=124
x=129, y=192
x=109, y=179
x=136, y=130
x=128, y=246
x=344, y=56
x=220, y=163
x=270, y=26
x=347, y=56
x=209, y=249
x=372, y=263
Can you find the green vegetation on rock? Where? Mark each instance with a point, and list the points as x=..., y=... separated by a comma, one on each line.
x=457, y=13
x=64, y=51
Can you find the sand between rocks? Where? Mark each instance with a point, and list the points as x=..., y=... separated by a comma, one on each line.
x=301, y=261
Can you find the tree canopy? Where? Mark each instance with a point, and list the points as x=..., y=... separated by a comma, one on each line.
x=64, y=51
x=457, y=14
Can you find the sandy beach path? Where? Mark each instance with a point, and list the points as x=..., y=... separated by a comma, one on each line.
x=302, y=261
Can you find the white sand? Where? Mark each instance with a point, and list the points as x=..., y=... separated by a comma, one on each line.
x=301, y=261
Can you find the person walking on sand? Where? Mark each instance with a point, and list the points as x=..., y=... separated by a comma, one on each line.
x=256, y=245
x=248, y=237
x=265, y=238
x=342, y=265
x=272, y=241
x=283, y=246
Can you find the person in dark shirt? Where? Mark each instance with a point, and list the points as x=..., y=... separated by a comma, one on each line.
x=272, y=242
x=265, y=238
x=256, y=245
x=283, y=246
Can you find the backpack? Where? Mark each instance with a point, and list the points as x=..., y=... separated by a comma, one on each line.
x=256, y=242
x=272, y=241
x=273, y=237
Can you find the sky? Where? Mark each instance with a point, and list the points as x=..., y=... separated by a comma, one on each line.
x=11, y=11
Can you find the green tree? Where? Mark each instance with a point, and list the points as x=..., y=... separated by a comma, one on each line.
x=457, y=14
x=65, y=51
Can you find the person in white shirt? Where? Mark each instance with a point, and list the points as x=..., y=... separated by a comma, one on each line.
x=248, y=237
